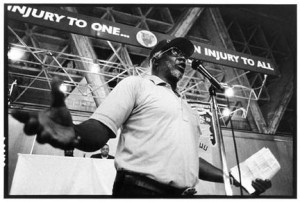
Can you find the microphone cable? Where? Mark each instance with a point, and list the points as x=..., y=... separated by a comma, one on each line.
x=235, y=150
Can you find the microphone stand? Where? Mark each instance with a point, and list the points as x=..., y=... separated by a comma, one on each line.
x=219, y=139
x=215, y=85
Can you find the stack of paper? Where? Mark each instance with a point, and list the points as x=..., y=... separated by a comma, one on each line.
x=261, y=165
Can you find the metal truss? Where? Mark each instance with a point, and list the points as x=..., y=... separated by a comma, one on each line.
x=194, y=89
x=50, y=54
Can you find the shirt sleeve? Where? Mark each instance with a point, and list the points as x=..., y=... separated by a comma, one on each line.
x=118, y=105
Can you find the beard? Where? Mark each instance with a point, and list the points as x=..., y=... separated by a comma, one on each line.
x=177, y=74
x=174, y=73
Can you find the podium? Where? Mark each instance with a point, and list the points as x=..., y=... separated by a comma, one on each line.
x=59, y=175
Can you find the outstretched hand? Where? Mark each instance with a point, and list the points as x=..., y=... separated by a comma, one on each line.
x=53, y=126
x=259, y=185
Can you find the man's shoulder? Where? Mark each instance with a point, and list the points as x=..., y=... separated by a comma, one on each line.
x=134, y=81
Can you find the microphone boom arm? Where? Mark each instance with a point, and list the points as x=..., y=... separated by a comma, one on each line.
x=197, y=65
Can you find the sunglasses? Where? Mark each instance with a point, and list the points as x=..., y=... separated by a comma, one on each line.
x=174, y=51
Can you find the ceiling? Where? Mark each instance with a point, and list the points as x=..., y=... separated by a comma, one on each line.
x=263, y=30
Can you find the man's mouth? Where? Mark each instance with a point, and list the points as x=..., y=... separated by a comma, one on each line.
x=181, y=67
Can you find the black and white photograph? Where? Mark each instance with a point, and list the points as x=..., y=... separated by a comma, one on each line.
x=150, y=101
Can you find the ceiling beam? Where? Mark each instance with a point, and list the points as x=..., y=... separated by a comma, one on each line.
x=187, y=21
x=220, y=37
x=283, y=103
x=180, y=30
x=82, y=46
x=282, y=87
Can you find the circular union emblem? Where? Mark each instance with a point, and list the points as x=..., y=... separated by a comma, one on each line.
x=146, y=38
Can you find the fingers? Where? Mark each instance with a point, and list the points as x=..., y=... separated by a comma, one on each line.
x=30, y=120
x=257, y=187
x=261, y=185
x=21, y=116
x=48, y=136
x=55, y=134
x=59, y=112
x=58, y=97
x=32, y=126
x=269, y=183
x=43, y=137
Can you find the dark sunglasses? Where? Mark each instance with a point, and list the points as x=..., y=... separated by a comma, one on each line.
x=175, y=52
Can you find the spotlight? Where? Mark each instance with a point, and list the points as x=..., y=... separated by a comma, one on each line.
x=15, y=54
x=229, y=92
x=63, y=88
x=94, y=67
x=226, y=112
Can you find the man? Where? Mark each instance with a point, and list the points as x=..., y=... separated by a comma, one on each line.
x=69, y=152
x=104, y=153
x=159, y=129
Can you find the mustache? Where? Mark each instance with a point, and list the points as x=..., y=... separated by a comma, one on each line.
x=181, y=64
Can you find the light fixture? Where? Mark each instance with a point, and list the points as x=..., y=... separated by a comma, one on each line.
x=63, y=88
x=226, y=112
x=229, y=92
x=94, y=67
x=15, y=54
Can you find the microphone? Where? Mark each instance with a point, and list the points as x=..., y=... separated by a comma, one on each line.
x=197, y=65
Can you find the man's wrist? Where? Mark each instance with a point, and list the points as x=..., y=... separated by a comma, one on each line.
x=76, y=140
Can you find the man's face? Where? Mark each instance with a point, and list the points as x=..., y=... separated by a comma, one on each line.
x=173, y=64
x=105, y=150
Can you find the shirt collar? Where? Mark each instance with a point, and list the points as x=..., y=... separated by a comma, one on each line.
x=159, y=82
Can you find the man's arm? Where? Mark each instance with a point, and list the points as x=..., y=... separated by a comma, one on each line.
x=208, y=172
x=92, y=134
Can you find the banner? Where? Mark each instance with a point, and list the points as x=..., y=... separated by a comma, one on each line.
x=56, y=18
x=208, y=148
x=207, y=141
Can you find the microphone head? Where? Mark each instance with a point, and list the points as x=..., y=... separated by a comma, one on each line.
x=195, y=64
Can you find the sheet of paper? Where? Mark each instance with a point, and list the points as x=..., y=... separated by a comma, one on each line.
x=261, y=165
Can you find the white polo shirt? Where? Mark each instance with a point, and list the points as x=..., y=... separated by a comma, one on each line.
x=159, y=130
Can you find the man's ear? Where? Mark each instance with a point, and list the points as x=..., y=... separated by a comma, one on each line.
x=154, y=64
